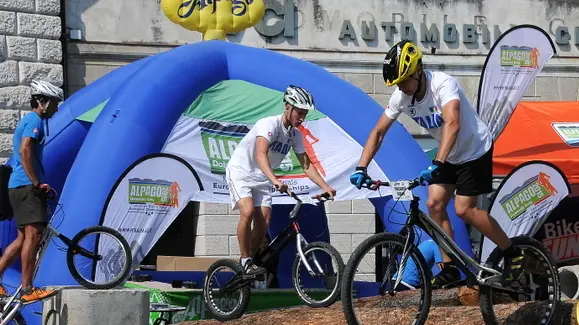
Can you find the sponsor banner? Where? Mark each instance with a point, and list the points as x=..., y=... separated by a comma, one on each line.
x=525, y=199
x=146, y=200
x=560, y=232
x=208, y=145
x=511, y=65
x=569, y=132
x=209, y=130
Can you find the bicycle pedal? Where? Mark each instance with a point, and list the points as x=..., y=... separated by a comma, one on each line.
x=452, y=284
x=256, y=277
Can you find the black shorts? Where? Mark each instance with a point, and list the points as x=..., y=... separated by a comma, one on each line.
x=29, y=207
x=471, y=178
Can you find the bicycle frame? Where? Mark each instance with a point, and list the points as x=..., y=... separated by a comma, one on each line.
x=292, y=230
x=275, y=247
x=457, y=255
x=47, y=235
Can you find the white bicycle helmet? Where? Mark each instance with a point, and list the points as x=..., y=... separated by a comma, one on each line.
x=44, y=88
x=299, y=97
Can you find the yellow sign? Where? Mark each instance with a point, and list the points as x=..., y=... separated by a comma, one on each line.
x=214, y=18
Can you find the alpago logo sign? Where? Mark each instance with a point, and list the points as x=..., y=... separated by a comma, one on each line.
x=155, y=192
x=519, y=56
x=533, y=191
x=569, y=132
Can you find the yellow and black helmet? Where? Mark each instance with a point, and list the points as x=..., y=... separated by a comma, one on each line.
x=400, y=62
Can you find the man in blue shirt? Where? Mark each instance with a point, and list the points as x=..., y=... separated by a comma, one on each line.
x=26, y=188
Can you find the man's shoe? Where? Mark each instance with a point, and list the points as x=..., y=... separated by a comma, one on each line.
x=514, y=258
x=36, y=294
x=448, y=275
x=252, y=269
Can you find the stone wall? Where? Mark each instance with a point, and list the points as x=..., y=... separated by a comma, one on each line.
x=30, y=47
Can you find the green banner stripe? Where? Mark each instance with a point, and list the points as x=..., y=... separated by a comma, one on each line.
x=92, y=114
x=239, y=101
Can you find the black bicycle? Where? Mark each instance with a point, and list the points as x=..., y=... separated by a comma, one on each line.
x=403, y=270
x=236, y=284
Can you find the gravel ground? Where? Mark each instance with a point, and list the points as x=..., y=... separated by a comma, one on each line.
x=446, y=309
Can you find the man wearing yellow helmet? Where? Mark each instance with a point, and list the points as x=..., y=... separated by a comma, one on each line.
x=463, y=164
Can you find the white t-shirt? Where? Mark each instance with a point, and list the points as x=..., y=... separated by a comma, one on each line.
x=281, y=141
x=474, y=138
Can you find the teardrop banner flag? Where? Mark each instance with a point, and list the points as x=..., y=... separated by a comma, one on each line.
x=525, y=199
x=510, y=67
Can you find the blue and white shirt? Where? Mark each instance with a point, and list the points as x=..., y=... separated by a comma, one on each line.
x=474, y=138
x=281, y=141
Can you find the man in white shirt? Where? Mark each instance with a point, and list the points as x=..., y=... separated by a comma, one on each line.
x=250, y=174
x=463, y=163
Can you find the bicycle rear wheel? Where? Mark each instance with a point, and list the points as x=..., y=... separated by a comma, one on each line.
x=539, y=282
x=376, y=302
x=329, y=278
x=106, y=257
x=236, y=300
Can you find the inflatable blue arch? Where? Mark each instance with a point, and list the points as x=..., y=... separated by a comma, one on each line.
x=142, y=102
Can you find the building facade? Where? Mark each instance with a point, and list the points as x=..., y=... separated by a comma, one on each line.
x=75, y=42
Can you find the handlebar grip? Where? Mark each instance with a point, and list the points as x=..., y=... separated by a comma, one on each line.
x=375, y=184
x=325, y=195
x=322, y=197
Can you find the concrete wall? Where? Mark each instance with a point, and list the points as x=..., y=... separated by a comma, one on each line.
x=30, y=47
x=329, y=25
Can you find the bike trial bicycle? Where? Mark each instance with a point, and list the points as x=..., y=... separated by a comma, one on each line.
x=368, y=297
x=326, y=271
x=103, y=265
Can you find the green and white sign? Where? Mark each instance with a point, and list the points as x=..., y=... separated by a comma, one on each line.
x=195, y=308
x=518, y=56
x=208, y=132
x=531, y=193
x=569, y=132
x=149, y=191
x=525, y=199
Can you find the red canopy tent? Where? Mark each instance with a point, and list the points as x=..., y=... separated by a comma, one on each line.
x=541, y=131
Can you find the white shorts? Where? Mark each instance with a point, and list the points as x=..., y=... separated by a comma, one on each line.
x=241, y=187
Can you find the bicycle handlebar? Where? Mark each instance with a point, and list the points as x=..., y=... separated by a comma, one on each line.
x=320, y=197
x=51, y=194
x=375, y=184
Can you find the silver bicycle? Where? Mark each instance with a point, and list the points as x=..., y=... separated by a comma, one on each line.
x=106, y=266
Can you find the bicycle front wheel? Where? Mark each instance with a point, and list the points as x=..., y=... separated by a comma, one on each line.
x=377, y=300
x=99, y=258
x=328, y=267
x=539, y=282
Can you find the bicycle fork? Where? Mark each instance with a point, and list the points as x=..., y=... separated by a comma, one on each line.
x=299, y=241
